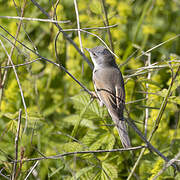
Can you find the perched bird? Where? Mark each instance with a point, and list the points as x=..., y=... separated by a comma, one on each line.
x=109, y=87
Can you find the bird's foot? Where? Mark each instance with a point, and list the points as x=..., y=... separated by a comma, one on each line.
x=94, y=95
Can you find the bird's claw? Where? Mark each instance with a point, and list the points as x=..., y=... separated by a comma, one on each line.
x=94, y=95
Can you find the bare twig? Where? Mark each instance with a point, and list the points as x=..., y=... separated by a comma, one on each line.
x=16, y=145
x=135, y=101
x=92, y=28
x=167, y=165
x=14, y=69
x=64, y=34
x=31, y=170
x=79, y=32
x=3, y=174
x=82, y=30
x=149, y=69
x=101, y=41
x=21, y=163
x=34, y=19
x=164, y=103
x=78, y=24
x=107, y=24
x=147, y=96
x=45, y=59
x=154, y=66
x=23, y=64
x=161, y=111
x=18, y=81
x=149, y=50
x=83, y=152
x=149, y=145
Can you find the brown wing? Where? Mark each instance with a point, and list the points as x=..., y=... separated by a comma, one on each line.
x=120, y=92
x=109, y=87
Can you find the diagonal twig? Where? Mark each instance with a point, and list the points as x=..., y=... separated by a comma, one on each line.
x=10, y=61
x=166, y=166
x=18, y=81
x=45, y=59
x=64, y=34
x=16, y=145
x=31, y=170
x=161, y=111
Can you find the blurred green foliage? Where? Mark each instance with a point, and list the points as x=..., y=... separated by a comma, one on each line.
x=61, y=117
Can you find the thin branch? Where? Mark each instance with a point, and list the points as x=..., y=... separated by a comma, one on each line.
x=79, y=32
x=149, y=145
x=167, y=165
x=149, y=50
x=14, y=69
x=147, y=96
x=154, y=66
x=19, y=84
x=23, y=64
x=135, y=101
x=100, y=40
x=34, y=19
x=16, y=145
x=78, y=24
x=45, y=59
x=3, y=175
x=106, y=27
x=148, y=69
x=93, y=28
x=164, y=103
x=82, y=152
x=32, y=168
x=64, y=34
x=107, y=23
x=163, y=106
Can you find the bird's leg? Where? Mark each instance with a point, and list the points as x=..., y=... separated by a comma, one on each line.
x=94, y=95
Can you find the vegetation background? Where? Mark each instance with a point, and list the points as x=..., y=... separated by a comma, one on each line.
x=61, y=117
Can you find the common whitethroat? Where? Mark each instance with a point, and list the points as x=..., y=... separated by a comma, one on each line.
x=109, y=87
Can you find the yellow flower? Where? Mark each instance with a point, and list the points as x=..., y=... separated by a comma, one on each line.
x=124, y=9
x=148, y=29
x=160, y=3
x=111, y=2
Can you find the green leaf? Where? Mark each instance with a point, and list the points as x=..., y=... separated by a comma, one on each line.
x=174, y=99
x=109, y=171
x=149, y=81
x=95, y=7
x=72, y=147
x=11, y=116
x=105, y=141
x=92, y=110
x=82, y=172
x=72, y=120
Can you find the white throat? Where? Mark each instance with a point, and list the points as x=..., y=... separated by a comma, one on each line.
x=96, y=65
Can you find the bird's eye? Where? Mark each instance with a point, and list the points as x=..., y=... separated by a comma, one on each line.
x=94, y=54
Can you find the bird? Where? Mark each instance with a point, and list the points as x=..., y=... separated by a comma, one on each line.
x=109, y=87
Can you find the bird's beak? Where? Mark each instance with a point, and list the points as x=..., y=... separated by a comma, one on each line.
x=87, y=49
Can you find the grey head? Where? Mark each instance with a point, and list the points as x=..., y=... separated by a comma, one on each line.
x=101, y=57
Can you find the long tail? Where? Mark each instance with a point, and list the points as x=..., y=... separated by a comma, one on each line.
x=123, y=133
x=120, y=123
